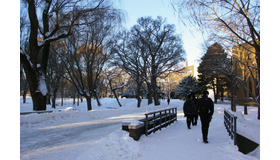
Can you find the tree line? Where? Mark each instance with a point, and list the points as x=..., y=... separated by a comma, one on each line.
x=229, y=23
x=79, y=46
x=221, y=73
x=89, y=51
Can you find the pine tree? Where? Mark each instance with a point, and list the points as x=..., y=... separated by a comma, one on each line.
x=211, y=68
x=187, y=86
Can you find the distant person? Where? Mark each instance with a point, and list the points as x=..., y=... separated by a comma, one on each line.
x=195, y=115
x=205, y=111
x=188, y=109
x=168, y=100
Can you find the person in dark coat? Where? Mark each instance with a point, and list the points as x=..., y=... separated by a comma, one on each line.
x=206, y=110
x=188, y=109
x=168, y=100
x=195, y=116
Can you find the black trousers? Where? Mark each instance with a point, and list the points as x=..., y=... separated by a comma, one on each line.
x=204, y=127
x=195, y=117
x=189, y=120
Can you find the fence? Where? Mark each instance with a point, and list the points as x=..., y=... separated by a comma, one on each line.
x=156, y=120
x=230, y=123
x=152, y=122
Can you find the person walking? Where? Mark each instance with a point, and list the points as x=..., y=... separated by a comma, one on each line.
x=195, y=115
x=205, y=111
x=168, y=100
x=188, y=109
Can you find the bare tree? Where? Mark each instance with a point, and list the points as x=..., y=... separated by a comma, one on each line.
x=49, y=21
x=148, y=50
x=55, y=71
x=233, y=22
x=23, y=85
x=127, y=56
x=164, y=48
x=115, y=78
x=86, y=54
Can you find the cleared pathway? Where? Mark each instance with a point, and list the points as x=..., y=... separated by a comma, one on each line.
x=73, y=138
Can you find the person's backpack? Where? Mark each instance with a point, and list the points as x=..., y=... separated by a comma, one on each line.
x=189, y=107
x=204, y=105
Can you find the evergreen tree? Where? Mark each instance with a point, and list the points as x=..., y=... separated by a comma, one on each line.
x=211, y=68
x=187, y=86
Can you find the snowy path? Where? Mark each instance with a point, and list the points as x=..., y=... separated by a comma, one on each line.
x=97, y=135
x=179, y=142
x=53, y=142
x=174, y=142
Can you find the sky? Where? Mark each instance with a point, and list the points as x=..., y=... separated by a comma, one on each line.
x=135, y=9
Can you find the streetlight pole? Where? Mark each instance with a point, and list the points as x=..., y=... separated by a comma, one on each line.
x=231, y=81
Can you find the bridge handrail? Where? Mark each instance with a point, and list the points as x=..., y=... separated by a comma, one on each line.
x=230, y=124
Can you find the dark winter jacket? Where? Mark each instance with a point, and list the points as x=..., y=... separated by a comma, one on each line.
x=195, y=106
x=188, y=107
x=205, y=107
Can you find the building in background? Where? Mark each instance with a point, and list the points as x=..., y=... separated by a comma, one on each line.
x=168, y=83
x=245, y=71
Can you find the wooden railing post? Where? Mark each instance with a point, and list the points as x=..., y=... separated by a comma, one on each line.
x=146, y=125
x=176, y=114
x=154, y=119
x=234, y=131
x=160, y=121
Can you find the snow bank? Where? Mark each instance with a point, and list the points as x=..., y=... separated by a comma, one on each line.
x=173, y=142
x=118, y=146
x=42, y=87
x=70, y=113
x=247, y=128
x=247, y=125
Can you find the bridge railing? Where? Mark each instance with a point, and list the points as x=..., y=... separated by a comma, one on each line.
x=152, y=122
x=156, y=120
x=230, y=124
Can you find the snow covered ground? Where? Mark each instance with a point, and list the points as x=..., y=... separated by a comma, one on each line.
x=74, y=133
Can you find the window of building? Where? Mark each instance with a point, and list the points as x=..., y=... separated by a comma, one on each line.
x=249, y=56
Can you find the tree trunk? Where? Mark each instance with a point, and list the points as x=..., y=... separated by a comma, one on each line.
x=217, y=89
x=78, y=99
x=150, y=94
x=222, y=96
x=97, y=99
x=48, y=98
x=39, y=101
x=24, y=97
x=138, y=92
x=215, y=92
x=53, y=101
x=154, y=86
x=117, y=98
x=62, y=96
x=245, y=102
x=74, y=99
x=33, y=76
x=138, y=101
x=150, y=97
x=88, y=98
